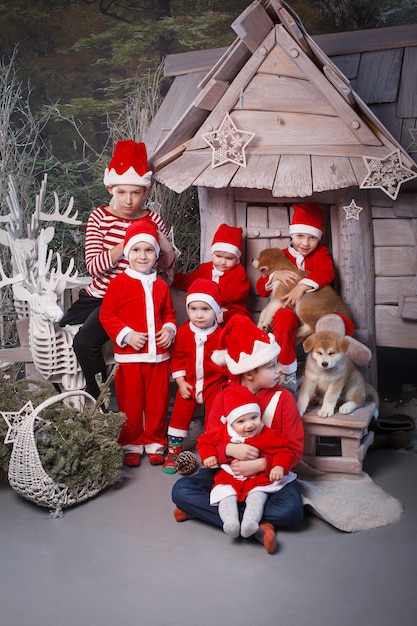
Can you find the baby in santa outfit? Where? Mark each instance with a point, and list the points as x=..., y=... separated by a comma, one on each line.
x=138, y=315
x=242, y=424
x=198, y=378
x=306, y=252
x=226, y=270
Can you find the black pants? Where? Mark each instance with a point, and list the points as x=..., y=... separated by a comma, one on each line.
x=89, y=340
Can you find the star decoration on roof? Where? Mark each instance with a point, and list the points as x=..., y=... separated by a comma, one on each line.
x=387, y=174
x=413, y=145
x=228, y=143
x=14, y=419
x=352, y=210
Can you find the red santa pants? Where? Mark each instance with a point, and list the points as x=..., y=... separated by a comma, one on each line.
x=142, y=392
x=183, y=411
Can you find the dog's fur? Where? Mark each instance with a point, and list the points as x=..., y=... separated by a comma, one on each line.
x=311, y=306
x=331, y=375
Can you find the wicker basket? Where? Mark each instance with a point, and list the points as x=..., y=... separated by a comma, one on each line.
x=27, y=475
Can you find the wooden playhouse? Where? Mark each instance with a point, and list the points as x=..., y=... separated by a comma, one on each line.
x=282, y=117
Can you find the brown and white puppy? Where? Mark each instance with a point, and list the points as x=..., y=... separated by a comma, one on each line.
x=331, y=375
x=313, y=304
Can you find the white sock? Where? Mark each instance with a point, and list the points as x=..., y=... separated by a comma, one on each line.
x=255, y=503
x=229, y=515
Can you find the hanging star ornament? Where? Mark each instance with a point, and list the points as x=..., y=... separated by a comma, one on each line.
x=228, y=143
x=14, y=419
x=413, y=145
x=352, y=210
x=387, y=174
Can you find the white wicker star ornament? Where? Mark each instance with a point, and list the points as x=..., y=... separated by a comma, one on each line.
x=228, y=143
x=387, y=174
x=352, y=210
x=413, y=145
x=14, y=419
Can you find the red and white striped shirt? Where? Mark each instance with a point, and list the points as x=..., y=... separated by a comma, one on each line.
x=104, y=231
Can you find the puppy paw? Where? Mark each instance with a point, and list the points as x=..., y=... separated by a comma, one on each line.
x=325, y=411
x=347, y=407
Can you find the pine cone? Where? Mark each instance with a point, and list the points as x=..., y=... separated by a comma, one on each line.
x=186, y=463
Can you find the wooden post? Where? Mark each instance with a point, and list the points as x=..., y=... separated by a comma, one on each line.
x=216, y=206
x=352, y=244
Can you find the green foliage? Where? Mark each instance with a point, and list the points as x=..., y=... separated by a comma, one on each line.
x=74, y=446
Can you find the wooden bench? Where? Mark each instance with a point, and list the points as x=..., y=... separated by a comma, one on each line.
x=338, y=443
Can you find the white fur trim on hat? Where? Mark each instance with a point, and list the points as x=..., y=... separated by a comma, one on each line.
x=226, y=247
x=262, y=354
x=243, y=409
x=129, y=177
x=141, y=237
x=307, y=229
x=203, y=297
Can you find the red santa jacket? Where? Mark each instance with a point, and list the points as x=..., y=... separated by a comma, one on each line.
x=318, y=264
x=268, y=441
x=191, y=358
x=137, y=302
x=233, y=284
x=279, y=411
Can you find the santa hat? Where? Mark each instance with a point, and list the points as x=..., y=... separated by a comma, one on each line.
x=307, y=218
x=204, y=290
x=243, y=346
x=141, y=230
x=238, y=401
x=128, y=166
x=228, y=239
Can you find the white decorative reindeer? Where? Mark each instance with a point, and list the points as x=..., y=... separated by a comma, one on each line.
x=39, y=287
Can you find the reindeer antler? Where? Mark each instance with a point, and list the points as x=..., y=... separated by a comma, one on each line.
x=14, y=218
x=57, y=216
x=5, y=280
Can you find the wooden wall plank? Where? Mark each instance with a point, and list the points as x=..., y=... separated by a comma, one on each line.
x=378, y=76
x=392, y=331
x=348, y=64
x=301, y=129
x=293, y=177
x=279, y=63
x=259, y=172
x=280, y=93
x=218, y=177
x=391, y=261
x=393, y=232
x=407, y=97
x=388, y=289
x=332, y=173
x=179, y=174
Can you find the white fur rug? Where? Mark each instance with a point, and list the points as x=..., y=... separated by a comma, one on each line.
x=348, y=502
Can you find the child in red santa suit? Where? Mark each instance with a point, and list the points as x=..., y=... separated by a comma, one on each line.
x=242, y=424
x=199, y=379
x=306, y=252
x=138, y=315
x=250, y=355
x=226, y=270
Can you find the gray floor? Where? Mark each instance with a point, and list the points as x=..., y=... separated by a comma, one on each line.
x=122, y=559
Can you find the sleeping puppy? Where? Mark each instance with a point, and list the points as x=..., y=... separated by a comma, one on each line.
x=313, y=304
x=331, y=375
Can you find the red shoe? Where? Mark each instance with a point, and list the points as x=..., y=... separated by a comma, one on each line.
x=156, y=459
x=131, y=459
x=270, y=537
x=179, y=515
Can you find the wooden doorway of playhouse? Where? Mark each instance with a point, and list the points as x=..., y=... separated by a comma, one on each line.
x=267, y=226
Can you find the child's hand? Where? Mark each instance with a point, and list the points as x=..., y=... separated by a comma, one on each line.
x=293, y=296
x=242, y=451
x=276, y=473
x=287, y=277
x=164, y=337
x=184, y=389
x=138, y=340
x=248, y=468
x=210, y=461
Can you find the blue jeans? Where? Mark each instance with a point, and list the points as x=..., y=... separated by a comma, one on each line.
x=191, y=494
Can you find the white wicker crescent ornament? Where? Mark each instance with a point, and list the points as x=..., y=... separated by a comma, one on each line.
x=27, y=475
